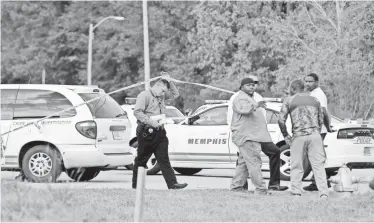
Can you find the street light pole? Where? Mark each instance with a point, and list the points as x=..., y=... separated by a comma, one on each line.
x=146, y=46
x=90, y=38
x=89, y=63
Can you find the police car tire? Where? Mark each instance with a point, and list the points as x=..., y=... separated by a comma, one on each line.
x=56, y=170
x=307, y=167
x=371, y=184
x=153, y=171
x=187, y=171
x=82, y=174
x=130, y=166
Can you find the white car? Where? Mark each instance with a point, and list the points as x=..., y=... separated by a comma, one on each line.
x=81, y=141
x=203, y=142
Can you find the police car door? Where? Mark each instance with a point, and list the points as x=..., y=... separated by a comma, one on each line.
x=272, y=124
x=8, y=100
x=205, y=139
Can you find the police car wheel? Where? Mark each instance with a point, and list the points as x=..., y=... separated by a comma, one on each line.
x=153, y=167
x=82, y=174
x=130, y=166
x=187, y=171
x=42, y=163
x=285, y=165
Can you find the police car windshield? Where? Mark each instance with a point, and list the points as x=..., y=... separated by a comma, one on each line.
x=172, y=113
x=105, y=107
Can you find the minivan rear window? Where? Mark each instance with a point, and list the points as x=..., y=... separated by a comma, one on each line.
x=105, y=107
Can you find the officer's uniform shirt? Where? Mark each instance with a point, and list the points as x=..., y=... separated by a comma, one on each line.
x=148, y=104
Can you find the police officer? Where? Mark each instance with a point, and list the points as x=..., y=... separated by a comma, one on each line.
x=150, y=132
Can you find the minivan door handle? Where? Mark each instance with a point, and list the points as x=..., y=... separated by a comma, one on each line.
x=223, y=134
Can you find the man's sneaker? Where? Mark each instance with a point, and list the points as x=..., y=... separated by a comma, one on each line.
x=178, y=186
x=277, y=188
x=21, y=177
x=313, y=187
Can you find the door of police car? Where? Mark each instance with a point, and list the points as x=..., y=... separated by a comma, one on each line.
x=204, y=140
x=8, y=100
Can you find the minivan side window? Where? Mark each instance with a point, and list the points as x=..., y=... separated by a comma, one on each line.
x=8, y=99
x=41, y=103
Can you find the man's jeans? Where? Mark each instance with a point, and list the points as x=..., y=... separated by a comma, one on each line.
x=328, y=175
x=312, y=147
x=250, y=160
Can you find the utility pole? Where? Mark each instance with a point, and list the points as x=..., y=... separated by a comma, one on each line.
x=146, y=46
x=43, y=76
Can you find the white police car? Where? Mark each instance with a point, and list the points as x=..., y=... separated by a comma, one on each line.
x=81, y=141
x=203, y=142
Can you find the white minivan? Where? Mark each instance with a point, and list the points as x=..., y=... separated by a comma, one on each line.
x=81, y=141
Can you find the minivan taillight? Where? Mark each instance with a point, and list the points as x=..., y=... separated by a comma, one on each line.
x=87, y=129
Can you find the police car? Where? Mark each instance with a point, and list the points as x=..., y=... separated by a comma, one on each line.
x=202, y=141
x=82, y=141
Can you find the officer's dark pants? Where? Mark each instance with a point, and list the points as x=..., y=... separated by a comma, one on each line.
x=273, y=152
x=157, y=143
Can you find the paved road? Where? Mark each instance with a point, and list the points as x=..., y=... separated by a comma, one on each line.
x=206, y=179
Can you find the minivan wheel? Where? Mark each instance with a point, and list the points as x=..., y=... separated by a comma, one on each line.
x=285, y=165
x=82, y=174
x=41, y=164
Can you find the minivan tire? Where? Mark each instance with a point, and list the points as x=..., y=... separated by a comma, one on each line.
x=42, y=160
x=82, y=174
x=285, y=175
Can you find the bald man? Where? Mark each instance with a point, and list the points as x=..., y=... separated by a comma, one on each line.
x=269, y=148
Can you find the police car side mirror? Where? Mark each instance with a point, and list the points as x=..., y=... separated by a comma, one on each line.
x=193, y=119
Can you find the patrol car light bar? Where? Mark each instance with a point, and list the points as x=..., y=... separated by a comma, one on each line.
x=132, y=101
x=280, y=100
x=365, y=121
x=215, y=101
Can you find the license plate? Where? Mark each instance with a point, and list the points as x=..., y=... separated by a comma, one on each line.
x=367, y=151
x=363, y=140
x=118, y=135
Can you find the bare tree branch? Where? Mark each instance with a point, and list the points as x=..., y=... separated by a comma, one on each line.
x=294, y=33
x=337, y=5
x=323, y=31
x=324, y=14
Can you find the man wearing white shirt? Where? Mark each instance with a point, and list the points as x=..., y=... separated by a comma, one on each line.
x=311, y=84
x=269, y=148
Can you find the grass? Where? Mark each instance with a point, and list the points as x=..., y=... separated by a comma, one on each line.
x=20, y=202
